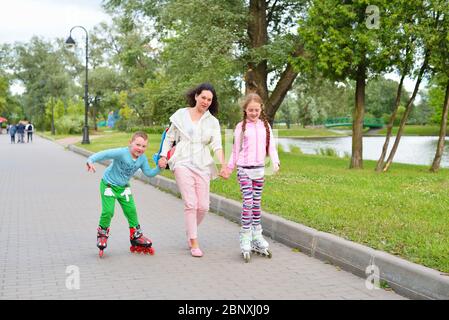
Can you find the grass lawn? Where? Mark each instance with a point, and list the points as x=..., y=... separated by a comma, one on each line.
x=48, y=135
x=415, y=130
x=308, y=132
x=403, y=212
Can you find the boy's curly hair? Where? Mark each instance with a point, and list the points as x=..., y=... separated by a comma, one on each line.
x=140, y=134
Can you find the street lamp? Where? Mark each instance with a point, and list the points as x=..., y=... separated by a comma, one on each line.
x=71, y=43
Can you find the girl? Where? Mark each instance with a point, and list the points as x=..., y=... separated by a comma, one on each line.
x=253, y=141
x=195, y=129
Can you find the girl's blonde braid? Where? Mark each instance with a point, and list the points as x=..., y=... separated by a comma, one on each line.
x=242, y=134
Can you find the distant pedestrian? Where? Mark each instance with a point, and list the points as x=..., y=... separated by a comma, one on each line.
x=12, y=133
x=21, y=132
x=253, y=141
x=29, y=130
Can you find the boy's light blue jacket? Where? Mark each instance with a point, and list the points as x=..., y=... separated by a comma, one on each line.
x=123, y=165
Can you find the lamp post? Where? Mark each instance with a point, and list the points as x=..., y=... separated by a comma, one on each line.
x=71, y=43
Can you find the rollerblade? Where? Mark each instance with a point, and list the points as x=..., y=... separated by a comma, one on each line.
x=258, y=244
x=245, y=244
x=102, y=239
x=139, y=243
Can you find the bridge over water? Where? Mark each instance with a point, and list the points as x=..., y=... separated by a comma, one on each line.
x=372, y=123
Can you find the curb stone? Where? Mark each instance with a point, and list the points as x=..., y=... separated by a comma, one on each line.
x=405, y=278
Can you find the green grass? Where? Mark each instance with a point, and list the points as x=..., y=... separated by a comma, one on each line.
x=308, y=132
x=415, y=130
x=48, y=135
x=403, y=212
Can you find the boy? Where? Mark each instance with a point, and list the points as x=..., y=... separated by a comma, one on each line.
x=115, y=185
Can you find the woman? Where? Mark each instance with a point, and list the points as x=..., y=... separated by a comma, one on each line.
x=195, y=129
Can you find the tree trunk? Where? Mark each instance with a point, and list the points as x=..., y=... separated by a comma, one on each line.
x=257, y=74
x=280, y=91
x=357, y=123
x=406, y=113
x=440, y=147
x=380, y=162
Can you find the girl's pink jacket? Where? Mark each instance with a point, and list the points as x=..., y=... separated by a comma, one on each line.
x=253, y=150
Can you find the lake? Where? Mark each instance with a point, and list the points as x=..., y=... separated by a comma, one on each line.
x=412, y=150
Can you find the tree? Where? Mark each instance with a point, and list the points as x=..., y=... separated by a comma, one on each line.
x=103, y=82
x=54, y=110
x=318, y=98
x=235, y=41
x=408, y=50
x=4, y=92
x=426, y=27
x=439, y=63
x=436, y=100
x=5, y=63
x=345, y=42
x=271, y=46
x=381, y=95
x=286, y=112
x=40, y=67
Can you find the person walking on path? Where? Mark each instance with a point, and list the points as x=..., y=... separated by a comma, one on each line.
x=194, y=129
x=21, y=132
x=115, y=185
x=29, y=130
x=253, y=141
x=12, y=132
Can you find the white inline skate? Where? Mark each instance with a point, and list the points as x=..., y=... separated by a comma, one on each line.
x=245, y=244
x=258, y=244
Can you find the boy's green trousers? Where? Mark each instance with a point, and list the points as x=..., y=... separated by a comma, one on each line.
x=109, y=194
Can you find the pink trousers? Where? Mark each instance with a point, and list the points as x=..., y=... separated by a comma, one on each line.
x=194, y=190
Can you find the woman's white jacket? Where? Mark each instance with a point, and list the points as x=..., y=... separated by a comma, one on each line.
x=193, y=149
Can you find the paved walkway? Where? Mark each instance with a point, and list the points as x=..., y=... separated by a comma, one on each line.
x=49, y=210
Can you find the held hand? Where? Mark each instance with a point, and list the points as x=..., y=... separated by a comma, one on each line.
x=224, y=173
x=275, y=168
x=90, y=167
x=162, y=163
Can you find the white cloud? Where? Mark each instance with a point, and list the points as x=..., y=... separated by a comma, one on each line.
x=49, y=19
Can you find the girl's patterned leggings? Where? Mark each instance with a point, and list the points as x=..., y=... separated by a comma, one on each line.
x=252, y=194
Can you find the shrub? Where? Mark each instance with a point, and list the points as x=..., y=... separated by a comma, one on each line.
x=149, y=130
x=328, y=152
x=69, y=124
x=295, y=149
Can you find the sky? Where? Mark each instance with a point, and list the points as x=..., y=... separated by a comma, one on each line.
x=48, y=19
